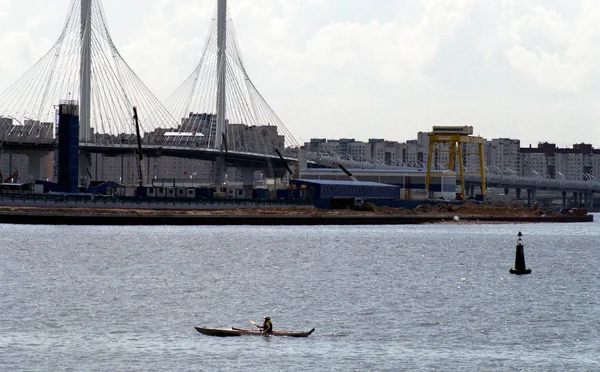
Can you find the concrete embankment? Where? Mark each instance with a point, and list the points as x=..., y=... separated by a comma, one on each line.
x=42, y=218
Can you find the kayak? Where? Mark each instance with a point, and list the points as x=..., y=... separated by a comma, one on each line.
x=227, y=332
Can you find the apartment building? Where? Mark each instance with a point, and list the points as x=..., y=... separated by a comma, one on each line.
x=375, y=150
x=502, y=155
x=386, y=152
x=546, y=160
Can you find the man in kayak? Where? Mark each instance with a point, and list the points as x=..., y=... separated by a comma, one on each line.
x=267, y=326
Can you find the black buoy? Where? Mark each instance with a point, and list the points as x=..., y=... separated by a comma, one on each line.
x=520, y=268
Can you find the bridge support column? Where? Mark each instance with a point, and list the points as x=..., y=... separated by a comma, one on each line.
x=41, y=166
x=248, y=181
x=219, y=170
x=590, y=203
x=581, y=200
x=302, y=162
x=564, y=198
x=506, y=191
x=530, y=196
x=518, y=191
x=575, y=199
x=85, y=167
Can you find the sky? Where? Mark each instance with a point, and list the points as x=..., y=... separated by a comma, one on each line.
x=521, y=69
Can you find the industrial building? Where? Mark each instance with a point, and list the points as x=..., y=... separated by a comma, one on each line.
x=345, y=194
x=411, y=181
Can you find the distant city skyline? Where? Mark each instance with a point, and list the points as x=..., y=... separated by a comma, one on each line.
x=365, y=69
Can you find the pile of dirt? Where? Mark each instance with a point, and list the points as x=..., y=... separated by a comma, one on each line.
x=382, y=210
x=473, y=209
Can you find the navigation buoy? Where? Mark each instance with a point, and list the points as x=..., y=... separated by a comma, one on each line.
x=520, y=268
x=456, y=218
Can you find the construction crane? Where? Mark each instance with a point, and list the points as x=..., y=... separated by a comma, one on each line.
x=285, y=164
x=346, y=171
x=13, y=177
x=139, y=143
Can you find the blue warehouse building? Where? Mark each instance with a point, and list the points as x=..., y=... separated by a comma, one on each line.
x=410, y=180
x=345, y=194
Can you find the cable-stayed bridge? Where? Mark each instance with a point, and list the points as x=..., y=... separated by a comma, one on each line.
x=216, y=111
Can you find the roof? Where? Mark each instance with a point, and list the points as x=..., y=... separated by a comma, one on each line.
x=356, y=171
x=346, y=183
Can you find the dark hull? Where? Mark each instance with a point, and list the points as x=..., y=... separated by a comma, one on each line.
x=229, y=332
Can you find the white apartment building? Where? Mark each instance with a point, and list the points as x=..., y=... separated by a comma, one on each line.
x=503, y=155
x=416, y=152
x=257, y=139
x=569, y=166
x=471, y=159
x=359, y=151
x=546, y=160
x=386, y=152
x=330, y=147
x=533, y=164
x=376, y=150
x=596, y=166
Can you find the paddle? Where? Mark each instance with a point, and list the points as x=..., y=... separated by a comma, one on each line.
x=253, y=322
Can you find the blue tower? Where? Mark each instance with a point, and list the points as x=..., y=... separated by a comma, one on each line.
x=68, y=146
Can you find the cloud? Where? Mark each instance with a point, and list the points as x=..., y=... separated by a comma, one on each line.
x=360, y=68
x=547, y=69
x=26, y=36
x=4, y=7
x=319, y=64
x=552, y=49
x=21, y=46
x=322, y=73
x=170, y=41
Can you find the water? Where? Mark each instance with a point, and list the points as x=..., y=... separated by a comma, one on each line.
x=385, y=298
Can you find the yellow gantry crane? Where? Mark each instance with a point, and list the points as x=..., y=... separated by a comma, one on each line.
x=454, y=137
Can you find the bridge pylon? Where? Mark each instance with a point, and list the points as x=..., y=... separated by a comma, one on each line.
x=85, y=66
x=220, y=105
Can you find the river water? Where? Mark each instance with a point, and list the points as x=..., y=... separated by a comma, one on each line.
x=384, y=298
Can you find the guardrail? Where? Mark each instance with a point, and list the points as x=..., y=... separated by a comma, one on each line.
x=535, y=183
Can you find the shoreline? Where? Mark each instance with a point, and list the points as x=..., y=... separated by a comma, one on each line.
x=267, y=217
